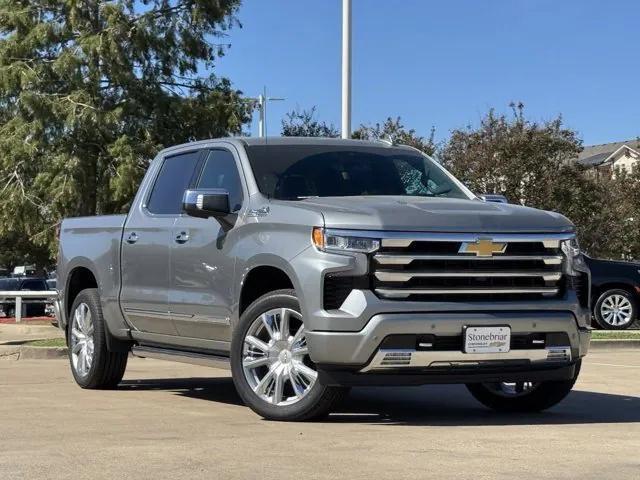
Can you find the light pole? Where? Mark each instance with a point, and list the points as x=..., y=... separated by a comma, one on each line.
x=346, y=68
x=261, y=103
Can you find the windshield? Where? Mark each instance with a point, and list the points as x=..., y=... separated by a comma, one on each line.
x=296, y=172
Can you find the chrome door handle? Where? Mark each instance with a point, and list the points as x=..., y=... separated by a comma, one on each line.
x=132, y=238
x=182, y=237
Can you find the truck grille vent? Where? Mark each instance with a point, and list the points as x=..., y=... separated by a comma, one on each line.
x=437, y=271
x=581, y=286
x=337, y=288
x=446, y=343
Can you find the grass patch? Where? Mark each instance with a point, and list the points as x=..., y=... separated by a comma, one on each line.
x=615, y=335
x=50, y=342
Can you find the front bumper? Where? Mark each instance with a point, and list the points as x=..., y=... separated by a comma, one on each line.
x=358, y=349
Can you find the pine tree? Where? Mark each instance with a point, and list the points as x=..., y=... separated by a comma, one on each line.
x=90, y=90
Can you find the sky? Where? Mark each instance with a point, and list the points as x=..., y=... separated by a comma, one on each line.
x=445, y=63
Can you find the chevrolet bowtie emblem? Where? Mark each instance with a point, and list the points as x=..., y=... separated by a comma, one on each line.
x=483, y=247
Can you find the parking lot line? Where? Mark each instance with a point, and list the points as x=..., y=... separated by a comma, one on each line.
x=613, y=365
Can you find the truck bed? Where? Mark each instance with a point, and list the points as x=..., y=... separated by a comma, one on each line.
x=93, y=243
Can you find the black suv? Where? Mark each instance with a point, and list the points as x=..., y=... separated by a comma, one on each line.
x=23, y=283
x=615, y=292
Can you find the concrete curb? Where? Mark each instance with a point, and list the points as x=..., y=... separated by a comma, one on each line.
x=615, y=344
x=25, y=352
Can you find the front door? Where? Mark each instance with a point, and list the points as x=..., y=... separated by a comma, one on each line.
x=203, y=258
x=146, y=246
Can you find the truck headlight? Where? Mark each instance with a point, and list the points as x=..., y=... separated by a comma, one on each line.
x=343, y=241
x=574, y=259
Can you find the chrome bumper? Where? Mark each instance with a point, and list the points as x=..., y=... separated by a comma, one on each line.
x=392, y=359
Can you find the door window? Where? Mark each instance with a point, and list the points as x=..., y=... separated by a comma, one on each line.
x=174, y=178
x=220, y=171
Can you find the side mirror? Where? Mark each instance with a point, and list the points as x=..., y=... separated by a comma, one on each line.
x=205, y=203
x=494, y=197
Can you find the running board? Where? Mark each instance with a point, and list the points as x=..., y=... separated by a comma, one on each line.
x=193, y=358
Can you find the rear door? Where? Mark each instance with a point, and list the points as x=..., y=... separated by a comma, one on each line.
x=202, y=261
x=146, y=245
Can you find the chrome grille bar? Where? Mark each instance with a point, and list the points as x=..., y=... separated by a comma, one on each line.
x=405, y=292
x=407, y=258
x=405, y=239
x=405, y=276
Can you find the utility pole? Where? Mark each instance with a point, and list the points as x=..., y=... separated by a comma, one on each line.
x=261, y=103
x=346, y=68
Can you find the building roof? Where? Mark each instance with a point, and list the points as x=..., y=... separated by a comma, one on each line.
x=595, y=155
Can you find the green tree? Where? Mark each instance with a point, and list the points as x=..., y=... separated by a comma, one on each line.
x=528, y=162
x=511, y=155
x=393, y=129
x=91, y=90
x=303, y=123
x=622, y=211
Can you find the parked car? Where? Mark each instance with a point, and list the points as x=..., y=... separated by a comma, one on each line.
x=23, y=283
x=312, y=265
x=615, y=292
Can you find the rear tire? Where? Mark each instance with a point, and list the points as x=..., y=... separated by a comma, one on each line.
x=92, y=364
x=505, y=398
x=271, y=368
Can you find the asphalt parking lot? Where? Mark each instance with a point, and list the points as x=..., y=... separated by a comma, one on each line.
x=180, y=421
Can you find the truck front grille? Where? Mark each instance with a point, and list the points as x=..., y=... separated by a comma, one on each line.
x=455, y=268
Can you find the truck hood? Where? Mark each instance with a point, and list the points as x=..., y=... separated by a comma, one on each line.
x=434, y=215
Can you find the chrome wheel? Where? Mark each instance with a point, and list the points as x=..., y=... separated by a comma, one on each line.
x=616, y=310
x=512, y=389
x=275, y=358
x=81, y=344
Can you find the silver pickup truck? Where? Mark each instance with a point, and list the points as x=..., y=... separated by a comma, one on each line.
x=309, y=266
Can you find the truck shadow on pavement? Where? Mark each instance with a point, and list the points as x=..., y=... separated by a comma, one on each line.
x=436, y=405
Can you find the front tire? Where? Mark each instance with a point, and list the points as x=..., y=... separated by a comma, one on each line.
x=616, y=310
x=523, y=396
x=92, y=364
x=270, y=362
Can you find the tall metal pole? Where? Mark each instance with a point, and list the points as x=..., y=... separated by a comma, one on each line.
x=261, y=117
x=346, y=68
x=261, y=103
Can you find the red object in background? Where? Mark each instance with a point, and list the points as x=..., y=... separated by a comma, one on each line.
x=42, y=320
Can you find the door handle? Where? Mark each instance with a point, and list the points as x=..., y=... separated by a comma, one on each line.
x=182, y=237
x=132, y=238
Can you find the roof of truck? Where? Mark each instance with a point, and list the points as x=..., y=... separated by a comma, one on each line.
x=252, y=141
x=310, y=141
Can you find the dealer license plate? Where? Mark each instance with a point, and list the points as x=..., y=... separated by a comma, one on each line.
x=487, y=339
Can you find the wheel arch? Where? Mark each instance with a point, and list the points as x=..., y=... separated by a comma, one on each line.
x=80, y=277
x=262, y=279
x=598, y=290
